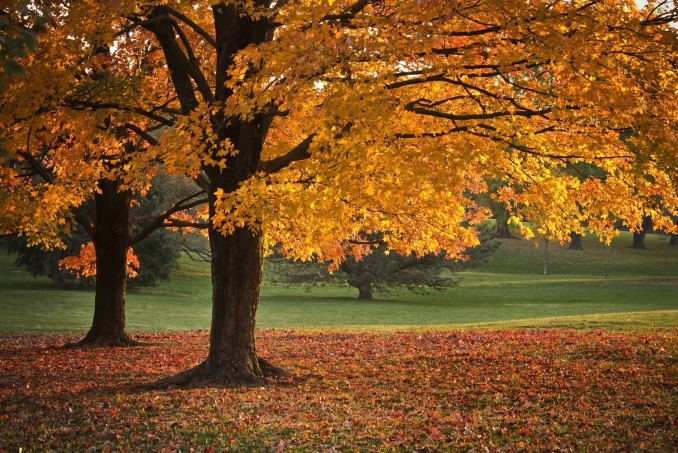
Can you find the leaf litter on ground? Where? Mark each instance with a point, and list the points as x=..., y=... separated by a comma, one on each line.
x=470, y=391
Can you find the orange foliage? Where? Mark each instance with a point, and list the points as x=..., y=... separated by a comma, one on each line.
x=408, y=108
x=84, y=264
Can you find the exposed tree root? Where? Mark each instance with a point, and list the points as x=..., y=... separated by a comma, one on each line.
x=227, y=376
x=271, y=371
x=105, y=341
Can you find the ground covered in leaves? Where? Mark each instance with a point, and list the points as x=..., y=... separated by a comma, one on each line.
x=479, y=391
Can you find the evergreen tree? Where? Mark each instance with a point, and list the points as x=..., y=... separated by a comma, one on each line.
x=383, y=272
x=41, y=262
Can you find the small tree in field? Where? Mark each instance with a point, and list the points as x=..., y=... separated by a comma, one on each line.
x=383, y=271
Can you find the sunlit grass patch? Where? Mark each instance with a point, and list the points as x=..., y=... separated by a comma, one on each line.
x=511, y=290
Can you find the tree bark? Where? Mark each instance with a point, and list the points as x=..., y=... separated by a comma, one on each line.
x=575, y=241
x=364, y=287
x=674, y=239
x=638, y=240
x=110, y=238
x=363, y=284
x=237, y=263
x=639, y=236
x=365, y=291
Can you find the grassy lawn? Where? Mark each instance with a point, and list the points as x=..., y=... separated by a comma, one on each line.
x=641, y=291
x=446, y=372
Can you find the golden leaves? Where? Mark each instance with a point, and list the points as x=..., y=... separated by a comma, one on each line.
x=411, y=107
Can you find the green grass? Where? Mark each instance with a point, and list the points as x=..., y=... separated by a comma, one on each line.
x=510, y=291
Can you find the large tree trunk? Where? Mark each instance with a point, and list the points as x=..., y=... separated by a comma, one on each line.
x=111, y=240
x=638, y=240
x=674, y=239
x=364, y=287
x=639, y=236
x=575, y=241
x=365, y=291
x=237, y=263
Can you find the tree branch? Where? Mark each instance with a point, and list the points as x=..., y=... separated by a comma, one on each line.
x=180, y=224
x=76, y=104
x=141, y=133
x=159, y=221
x=139, y=23
x=299, y=152
x=202, y=182
x=190, y=63
x=410, y=107
x=195, y=27
x=374, y=242
x=38, y=167
x=182, y=71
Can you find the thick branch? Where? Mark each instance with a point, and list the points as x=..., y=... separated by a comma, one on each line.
x=187, y=45
x=141, y=133
x=299, y=152
x=195, y=27
x=188, y=63
x=78, y=105
x=38, y=167
x=342, y=18
x=374, y=242
x=202, y=182
x=182, y=72
x=478, y=32
x=410, y=107
x=139, y=23
x=180, y=224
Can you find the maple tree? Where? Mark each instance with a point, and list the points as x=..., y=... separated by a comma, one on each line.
x=64, y=172
x=103, y=212
x=151, y=260
x=310, y=124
